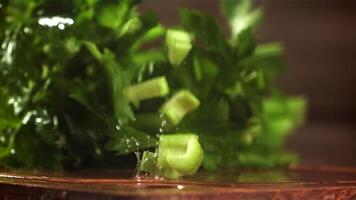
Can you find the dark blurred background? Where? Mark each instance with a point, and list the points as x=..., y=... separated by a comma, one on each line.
x=320, y=41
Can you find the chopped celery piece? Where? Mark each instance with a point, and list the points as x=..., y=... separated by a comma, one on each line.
x=283, y=115
x=179, y=154
x=297, y=106
x=282, y=125
x=156, y=87
x=131, y=26
x=179, y=105
x=179, y=45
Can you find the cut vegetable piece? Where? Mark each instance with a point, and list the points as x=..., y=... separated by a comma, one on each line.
x=156, y=87
x=281, y=125
x=297, y=106
x=179, y=45
x=131, y=26
x=282, y=115
x=179, y=105
x=179, y=154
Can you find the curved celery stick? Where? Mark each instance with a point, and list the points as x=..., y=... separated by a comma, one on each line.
x=179, y=154
x=179, y=45
x=156, y=87
x=179, y=105
x=131, y=26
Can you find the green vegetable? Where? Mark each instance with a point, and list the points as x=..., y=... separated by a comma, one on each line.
x=131, y=26
x=156, y=87
x=178, y=155
x=179, y=105
x=179, y=44
x=88, y=83
x=240, y=15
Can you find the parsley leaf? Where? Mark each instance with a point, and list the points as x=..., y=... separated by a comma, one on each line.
x=64, y=67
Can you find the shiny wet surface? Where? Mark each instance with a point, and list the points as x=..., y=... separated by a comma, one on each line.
x=293, y=183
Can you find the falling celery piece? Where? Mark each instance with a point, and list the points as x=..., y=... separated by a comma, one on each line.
x=297, y=106
x=179, y=105
x=179, y=155
x=131, y=26
x=156, y=87
x=179, y=44
x=281, y=126
x=240, y=15
x=284, y=115
x=152, y=34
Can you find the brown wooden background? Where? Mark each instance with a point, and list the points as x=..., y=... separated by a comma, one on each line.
x=320, y=41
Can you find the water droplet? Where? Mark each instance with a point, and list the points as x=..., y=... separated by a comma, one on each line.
x=61, y=26
x=150, y=67
x=64, y=195
x=38, y=120
x=9, y=47
x=98, y=151
x=27, y=30
x=55, y=21
x=12, y=151
x=16, y=103
x=164, y=123
x=55, y=121
x=179, y=187
x=27, y=117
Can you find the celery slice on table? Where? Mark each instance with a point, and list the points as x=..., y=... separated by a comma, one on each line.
x=178, y=155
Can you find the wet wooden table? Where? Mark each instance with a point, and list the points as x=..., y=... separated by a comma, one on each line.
x=298, y=182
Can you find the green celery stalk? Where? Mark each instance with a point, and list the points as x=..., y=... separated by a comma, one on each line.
x=179, y=105
x=179, y=154
x=131, y=26
x=157, y=87
x=179, y=45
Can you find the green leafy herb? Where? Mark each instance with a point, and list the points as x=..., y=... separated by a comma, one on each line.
x=88, y=83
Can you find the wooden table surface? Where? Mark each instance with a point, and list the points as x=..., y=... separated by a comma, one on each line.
x=297, y=182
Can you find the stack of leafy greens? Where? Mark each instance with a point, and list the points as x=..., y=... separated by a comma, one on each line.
x=89, y=83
